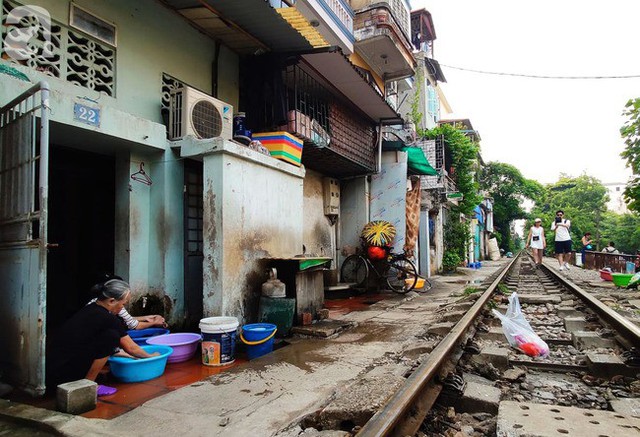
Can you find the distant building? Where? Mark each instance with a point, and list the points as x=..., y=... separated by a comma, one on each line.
x=616, y=201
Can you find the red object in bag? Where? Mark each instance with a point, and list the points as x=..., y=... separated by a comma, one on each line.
x=376, y=253
x=530, y=349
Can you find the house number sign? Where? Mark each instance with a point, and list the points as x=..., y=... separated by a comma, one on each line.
x=86, y=114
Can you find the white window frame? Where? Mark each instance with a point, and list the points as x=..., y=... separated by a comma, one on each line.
x=73, y=6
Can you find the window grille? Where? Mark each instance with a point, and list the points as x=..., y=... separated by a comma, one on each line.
x=65, y=53
x=169, y=84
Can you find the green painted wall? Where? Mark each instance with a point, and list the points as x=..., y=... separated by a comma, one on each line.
x=152, y=39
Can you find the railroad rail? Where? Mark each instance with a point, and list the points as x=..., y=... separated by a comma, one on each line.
x=406, y=409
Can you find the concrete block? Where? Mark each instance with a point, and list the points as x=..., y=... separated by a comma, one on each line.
x=479, y=398
x=607, y=366
x=540, y=420
x=626, y=407
x=565, y=312
x=587, y=339
x=77, y=397
x=574, y=324
x=440, y=328
x=463, y=306
x=453, y=316
x=497, y=356
x=495, y=334
x=539, y=299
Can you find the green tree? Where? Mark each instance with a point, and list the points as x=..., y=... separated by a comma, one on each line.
x=630, y=131
x=623, y=230
x=508, y=188
x=464, y=158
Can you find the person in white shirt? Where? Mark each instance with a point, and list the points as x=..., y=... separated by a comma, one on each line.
x=561, y=227
x=536, y=241
x=611, y=248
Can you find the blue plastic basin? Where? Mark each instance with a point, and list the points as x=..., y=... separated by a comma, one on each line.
x=140, y=336
x=143, y=369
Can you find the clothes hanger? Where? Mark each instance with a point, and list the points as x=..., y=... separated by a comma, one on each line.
x=141, y=176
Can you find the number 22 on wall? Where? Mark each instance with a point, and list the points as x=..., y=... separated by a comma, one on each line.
x=86, y=114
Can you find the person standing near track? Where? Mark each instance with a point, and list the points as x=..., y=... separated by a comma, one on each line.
x=536, y=241
x=561, y=227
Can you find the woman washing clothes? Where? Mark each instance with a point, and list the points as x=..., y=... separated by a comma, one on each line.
x=89, y=337
x=139, y=322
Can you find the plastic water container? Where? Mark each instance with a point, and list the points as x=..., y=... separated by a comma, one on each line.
x=218, y=340
x=631, y=267
x=259, y=339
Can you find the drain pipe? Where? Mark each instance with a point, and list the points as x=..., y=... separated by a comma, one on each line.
x=379, y=147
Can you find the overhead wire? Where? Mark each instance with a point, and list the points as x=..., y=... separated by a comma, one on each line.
x=540, y=76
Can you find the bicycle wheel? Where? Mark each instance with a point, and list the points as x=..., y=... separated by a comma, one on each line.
x=402, y=276
x=354, y=270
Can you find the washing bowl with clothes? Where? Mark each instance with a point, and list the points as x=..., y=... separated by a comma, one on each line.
x=140, y=369
x=621, y=279
x=605, y=274
x=184, y=345
x=140, y=336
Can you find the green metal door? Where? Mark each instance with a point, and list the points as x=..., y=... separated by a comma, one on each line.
x=24, y=167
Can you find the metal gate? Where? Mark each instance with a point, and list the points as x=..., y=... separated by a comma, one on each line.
x=24, y=167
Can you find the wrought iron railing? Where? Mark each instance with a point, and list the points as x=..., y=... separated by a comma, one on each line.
x=599, y=260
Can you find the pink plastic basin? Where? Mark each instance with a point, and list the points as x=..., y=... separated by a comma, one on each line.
x=184, y=345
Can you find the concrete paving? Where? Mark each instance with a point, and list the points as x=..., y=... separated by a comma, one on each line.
x=540, y=420
x=274, y=394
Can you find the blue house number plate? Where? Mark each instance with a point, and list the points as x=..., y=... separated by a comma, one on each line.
x=86, y=114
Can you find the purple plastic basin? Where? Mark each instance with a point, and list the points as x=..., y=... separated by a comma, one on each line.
x=184, y=345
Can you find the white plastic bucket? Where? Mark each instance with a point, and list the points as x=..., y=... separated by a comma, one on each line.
x=218, y=340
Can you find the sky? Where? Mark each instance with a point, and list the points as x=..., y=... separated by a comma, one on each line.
x=543, y=127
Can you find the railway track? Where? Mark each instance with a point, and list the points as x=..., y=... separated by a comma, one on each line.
x=474, y=384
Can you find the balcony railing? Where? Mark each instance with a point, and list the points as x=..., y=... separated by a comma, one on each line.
x=342, y=12
x=400, y=13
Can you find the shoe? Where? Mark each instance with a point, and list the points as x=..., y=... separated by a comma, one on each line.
x=104, y=390
x=566, y=266
x=561, y=268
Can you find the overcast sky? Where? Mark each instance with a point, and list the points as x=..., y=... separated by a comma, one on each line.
x=542, y=126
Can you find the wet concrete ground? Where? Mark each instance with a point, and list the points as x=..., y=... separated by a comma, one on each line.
x=368, y=354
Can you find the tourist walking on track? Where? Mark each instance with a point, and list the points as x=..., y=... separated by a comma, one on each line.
x=561, y=227
x=536, y=241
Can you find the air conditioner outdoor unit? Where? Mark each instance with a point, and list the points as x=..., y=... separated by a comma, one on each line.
x=200, y=115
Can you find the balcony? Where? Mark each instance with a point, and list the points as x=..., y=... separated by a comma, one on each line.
x=382, y=39
x=333, y=19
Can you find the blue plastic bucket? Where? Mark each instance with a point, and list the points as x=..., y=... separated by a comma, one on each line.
x=218, y=340
x=259, y=339
x=143, y=369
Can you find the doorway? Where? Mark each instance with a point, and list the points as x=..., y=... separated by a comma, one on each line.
x=81, y=229
x=193, y=242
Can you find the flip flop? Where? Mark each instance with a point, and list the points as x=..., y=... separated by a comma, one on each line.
x=104, y=390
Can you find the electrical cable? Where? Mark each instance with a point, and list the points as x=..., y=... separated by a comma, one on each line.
x=538, y=76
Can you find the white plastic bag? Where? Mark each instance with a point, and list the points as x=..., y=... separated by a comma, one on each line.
x=518, y=331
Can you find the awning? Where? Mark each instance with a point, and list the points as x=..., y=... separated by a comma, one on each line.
x=416, y=161
x=434, y=68
x=337, y=70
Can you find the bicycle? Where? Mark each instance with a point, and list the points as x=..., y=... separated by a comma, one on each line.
x=398, y=271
